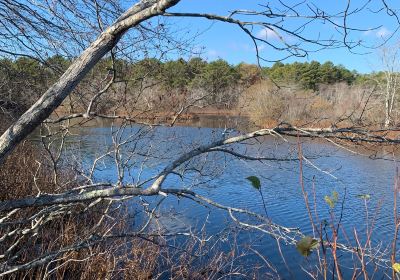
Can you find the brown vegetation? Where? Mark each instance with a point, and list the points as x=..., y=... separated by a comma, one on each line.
x=123, y=257
x=337, y=105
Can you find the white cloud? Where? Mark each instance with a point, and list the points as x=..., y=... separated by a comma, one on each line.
x=261, y=47
x=382, y=32
x=268, y=33
x=212, y=54
x=368, y=32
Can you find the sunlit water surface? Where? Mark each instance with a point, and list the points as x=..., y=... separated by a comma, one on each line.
x=223, y=179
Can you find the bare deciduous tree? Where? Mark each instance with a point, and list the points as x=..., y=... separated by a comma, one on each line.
x=33, y=28
x=389, y=86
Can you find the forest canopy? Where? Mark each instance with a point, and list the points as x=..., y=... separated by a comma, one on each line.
x=223, y=83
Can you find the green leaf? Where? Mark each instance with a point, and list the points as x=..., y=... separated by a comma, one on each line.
x=396, y=267
x=364, y=196
x=306, y=245
x=332, y=200
x=255, y=182
x=329, y=201
x=335, y=196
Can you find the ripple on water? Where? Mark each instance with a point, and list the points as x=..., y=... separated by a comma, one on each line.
x=280, y=184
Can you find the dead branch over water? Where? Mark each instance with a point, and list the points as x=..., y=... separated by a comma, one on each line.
x=57, y=216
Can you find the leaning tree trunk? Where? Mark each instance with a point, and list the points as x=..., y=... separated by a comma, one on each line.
x=54, y=96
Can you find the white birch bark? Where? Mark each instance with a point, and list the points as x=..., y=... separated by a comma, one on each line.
x=54, y=96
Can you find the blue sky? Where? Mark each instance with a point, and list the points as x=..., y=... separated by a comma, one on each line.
x=223, y=40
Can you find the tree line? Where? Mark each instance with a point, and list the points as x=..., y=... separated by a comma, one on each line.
x=219, y=83
x=311, y=75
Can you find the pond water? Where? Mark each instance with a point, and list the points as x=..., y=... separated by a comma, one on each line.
x=222, y=177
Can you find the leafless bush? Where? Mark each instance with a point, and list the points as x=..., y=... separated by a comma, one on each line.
x=331, y=104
